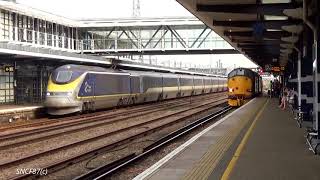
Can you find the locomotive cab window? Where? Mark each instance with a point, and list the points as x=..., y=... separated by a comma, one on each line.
x=64, y=76
x=240, y=72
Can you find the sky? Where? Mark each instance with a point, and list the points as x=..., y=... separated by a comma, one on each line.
x=83, y=9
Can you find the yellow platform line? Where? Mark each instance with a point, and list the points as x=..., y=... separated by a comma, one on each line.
x=232, y=163
x=210, y=159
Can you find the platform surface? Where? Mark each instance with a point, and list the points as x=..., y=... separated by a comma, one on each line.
x=17, y=108
x=275, y=149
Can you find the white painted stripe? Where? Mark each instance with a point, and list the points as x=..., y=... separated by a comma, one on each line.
x=19, y=109
x=169, y=156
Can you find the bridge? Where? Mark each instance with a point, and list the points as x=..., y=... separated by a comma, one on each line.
x=176, y=35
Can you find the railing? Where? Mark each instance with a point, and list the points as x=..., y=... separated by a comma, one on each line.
x=61, y=42
x=147, y=44
x=40, y=39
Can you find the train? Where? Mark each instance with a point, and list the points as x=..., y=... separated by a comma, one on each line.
x=79, y=88
x=243, y=84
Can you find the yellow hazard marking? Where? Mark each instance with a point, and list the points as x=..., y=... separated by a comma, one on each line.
x=232, y=163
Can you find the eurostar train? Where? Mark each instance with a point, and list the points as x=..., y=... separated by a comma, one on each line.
x=78, y=88
x=243, y=84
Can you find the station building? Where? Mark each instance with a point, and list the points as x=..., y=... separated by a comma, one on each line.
x=33, y=42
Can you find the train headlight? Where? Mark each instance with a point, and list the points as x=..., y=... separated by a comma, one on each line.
x=230, y=90
x=48, y=94
x=69, y=94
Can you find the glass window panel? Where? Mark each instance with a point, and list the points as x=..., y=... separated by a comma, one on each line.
x=2, y=99
x=64, y=76
x=2, y=79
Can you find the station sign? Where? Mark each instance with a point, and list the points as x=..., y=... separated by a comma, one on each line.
x=270, y=68
x=8, y=69
x=277, y=68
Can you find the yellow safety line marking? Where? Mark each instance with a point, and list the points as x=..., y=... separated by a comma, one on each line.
x=232, y=163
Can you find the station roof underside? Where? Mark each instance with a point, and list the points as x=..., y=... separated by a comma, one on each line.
x=263, y=30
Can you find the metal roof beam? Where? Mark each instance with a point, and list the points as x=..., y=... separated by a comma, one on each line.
x=251, y=40
x=266, y=34
x=275, y=9
x=258, y=45
x=269, y=24
x=261, y=54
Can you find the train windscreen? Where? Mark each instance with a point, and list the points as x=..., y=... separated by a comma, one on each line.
x=63, y=76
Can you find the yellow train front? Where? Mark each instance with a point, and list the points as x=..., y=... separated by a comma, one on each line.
x=243, y=84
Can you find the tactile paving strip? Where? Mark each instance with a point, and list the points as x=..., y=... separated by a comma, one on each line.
x=211, y=158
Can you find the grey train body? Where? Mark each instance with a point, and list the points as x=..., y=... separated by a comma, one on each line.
x=99, y=88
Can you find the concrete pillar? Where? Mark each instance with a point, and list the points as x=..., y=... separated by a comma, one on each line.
x=299, y=77
x=316, y=60
x=306, y=72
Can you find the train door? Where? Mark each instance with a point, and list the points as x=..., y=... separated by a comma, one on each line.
x=192, y=92
x=135, y=88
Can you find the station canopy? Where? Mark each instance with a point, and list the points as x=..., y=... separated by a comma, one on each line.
x=265, y=31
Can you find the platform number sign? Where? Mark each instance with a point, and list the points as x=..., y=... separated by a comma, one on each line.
x=8, y=69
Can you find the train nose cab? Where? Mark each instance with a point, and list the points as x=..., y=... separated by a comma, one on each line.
x=239, y=87
x=61, y=91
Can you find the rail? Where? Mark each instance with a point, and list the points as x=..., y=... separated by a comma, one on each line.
x=106, y=170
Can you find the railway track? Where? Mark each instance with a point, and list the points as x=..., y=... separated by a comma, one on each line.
x=135, y=132
x=107, y=170
x=24, y=137
x=106, y=114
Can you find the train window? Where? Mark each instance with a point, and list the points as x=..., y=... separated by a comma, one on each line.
x=240, y=72
x=64, y=76
x=232, y=73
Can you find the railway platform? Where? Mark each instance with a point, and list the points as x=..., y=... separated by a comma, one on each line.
x=19, y=112
x=256, y=141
